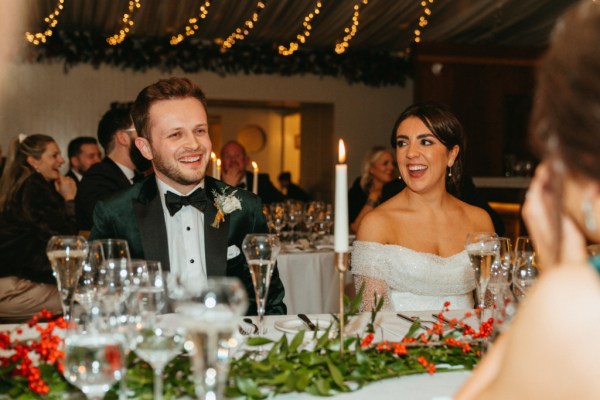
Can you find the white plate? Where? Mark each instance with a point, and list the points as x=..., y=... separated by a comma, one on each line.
x=296, y=324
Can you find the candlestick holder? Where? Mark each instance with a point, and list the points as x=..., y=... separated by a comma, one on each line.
x=342, y=263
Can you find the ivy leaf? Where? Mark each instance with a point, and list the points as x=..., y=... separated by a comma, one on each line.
x=248, y=387
x=296, y=341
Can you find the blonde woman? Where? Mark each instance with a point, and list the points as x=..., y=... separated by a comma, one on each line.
x=377, y=169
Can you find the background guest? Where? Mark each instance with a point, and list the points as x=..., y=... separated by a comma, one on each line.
x=83, y=152
x=410, y=249
x=377, y=169
x=235, y=161
x=291, y=190
x=557, y=321
x=115, y=172
x=36, y=202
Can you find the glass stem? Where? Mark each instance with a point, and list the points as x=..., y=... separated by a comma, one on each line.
x=158, y=383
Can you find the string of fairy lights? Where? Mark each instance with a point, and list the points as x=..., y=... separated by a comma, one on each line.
x=240, y=33
x=127, y=24
x=350, y=32
x=192, y=27
x=51, y=22
x=301, y=37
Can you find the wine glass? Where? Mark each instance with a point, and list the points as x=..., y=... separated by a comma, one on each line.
x=67, y=255
x=112, y=260
x=94, y=361
x=482, y=248
x=278, y=218
x=212, y=315
x=526, y=268
x=294, y=216
x=155, y=339
x=261, y=252
x=501, y=272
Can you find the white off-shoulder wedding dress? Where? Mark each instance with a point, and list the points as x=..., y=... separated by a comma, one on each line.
x=411, y=280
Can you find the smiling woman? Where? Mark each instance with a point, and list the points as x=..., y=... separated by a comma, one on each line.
x=36, y=202
x=410, y=249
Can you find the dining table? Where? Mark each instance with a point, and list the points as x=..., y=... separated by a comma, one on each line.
x=310, y=280
x=437, y=386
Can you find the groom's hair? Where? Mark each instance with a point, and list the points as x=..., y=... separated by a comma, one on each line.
x=164, y=89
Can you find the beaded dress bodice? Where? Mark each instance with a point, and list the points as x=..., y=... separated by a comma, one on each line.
x=415, y=280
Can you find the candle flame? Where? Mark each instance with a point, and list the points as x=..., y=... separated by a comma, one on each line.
x=254, y=165
x=341, y=152
x=213, y=155
x=218, y=162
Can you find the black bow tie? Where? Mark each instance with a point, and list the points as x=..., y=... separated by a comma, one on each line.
x=174, y=202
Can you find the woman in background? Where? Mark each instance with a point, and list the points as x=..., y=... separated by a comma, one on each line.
x=36, y=202
x=550, y=351
x=377, y=169
x=410, y=249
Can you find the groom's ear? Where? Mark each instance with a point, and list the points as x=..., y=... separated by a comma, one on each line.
x=144, y=147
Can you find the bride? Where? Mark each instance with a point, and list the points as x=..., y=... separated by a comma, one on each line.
x=410, y=249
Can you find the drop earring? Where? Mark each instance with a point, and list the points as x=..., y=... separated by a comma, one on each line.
x=449, y=172
x=588, y=215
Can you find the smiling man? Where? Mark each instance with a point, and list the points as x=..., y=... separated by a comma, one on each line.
x=172, y=215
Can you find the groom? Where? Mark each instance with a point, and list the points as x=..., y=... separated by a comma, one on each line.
x=193, y=224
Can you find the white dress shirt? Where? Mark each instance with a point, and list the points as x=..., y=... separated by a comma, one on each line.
x=129, y=173
x=185, y=238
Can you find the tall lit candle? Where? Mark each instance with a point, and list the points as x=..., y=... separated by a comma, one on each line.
x=213, y=160
x=341, y=202
x=218, y=173
x=255, y=178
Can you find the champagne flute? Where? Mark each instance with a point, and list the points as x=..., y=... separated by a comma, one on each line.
x=482, y=248
x=526, y=268
x=212, y=315
x=156, y=340
x=501, y=272
x=93, y=361
x=67, y=255
x=261, y=252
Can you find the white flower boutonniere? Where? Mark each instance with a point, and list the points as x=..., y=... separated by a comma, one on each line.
x=226, y=204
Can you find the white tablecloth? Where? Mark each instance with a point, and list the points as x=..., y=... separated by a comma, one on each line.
x=311, y=282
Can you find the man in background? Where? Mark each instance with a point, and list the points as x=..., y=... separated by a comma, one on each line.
x=235, y=161
x=291, y=190
x=115, y=172
x=83, y=152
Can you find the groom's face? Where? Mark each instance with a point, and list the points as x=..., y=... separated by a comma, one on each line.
x=178, y=145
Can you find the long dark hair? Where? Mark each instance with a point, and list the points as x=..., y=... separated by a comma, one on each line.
x=17, y=168
x=446, y=128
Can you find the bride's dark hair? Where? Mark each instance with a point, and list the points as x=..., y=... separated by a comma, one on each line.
x=446, y=128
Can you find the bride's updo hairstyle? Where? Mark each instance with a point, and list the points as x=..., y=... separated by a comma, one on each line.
x=446, y=128
x=565, y=124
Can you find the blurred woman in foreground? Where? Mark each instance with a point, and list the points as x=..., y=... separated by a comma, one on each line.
x=36, y=202
x=550, y=350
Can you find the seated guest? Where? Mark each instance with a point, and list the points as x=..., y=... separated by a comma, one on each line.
x=550, y=350
x=291, y=190
x=377, y=169
x=173, y=216
x=115, y=172
x=235, y=161
x=36, y=202
x=410, y=249
x=83, y=152
x=467, y=192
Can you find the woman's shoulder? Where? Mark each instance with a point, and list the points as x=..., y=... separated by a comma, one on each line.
x=375, y=226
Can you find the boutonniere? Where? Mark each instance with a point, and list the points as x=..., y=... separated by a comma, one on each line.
x=226, y=204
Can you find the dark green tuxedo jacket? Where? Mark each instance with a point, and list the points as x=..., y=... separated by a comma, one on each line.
x=136, y=215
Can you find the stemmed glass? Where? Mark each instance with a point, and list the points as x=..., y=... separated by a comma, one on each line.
x=294, y=216
x=155, y=340
x=67, y=255
x=212, y=315
x=501, y=272
x=261, y=252
x=482, y=248
x=324, y=223
x=94, y=361
x=278, y=217
x=526, y=268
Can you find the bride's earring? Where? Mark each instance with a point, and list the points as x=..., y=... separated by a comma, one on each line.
x=588, y=215
x=449, y=171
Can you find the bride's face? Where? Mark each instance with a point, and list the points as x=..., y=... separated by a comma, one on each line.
x=422, y=159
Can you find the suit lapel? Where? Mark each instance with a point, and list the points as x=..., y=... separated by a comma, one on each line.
x=149, y=215
x=215, y=239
